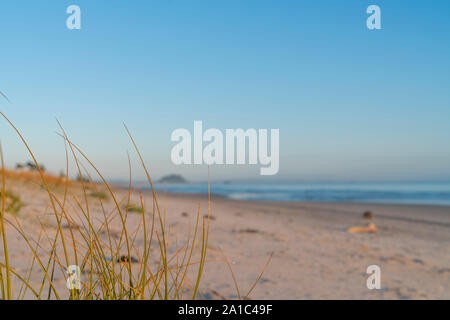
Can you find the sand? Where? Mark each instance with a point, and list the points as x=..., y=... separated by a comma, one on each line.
x=313, y=254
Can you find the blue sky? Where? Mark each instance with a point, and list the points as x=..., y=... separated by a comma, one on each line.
x=350, y=103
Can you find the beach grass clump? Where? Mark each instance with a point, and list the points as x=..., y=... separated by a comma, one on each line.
x=135, y=209
x=13, y=204
x=99, y=195
x=98, y=255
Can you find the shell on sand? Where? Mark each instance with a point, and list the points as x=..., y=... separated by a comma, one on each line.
x=371, y=228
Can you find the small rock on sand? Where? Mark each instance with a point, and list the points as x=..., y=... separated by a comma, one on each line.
x=124, y=259
x=249, y=230
x=368, y=215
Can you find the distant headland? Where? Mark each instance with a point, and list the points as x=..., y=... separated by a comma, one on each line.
x=172, y=178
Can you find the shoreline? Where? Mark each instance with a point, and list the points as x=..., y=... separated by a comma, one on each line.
x=443, y=211
x=220, y=196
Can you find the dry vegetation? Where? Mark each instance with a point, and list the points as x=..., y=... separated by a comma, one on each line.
x=113, y=265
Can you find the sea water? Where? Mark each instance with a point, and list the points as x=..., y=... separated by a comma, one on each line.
x=436, y=193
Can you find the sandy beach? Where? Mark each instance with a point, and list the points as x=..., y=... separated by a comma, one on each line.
x=316, y=258
x=314, y=255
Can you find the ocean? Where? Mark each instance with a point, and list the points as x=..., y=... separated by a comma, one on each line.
x=390, y=193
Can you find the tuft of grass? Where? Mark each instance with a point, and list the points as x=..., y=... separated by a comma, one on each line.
x=99, y=195
x=112, y=265
x=13, y=203
x=135, y=209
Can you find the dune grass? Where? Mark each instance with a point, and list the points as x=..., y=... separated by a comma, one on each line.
x=99, y=194
x=13, y=204
x=135, y=209
x=112, y=264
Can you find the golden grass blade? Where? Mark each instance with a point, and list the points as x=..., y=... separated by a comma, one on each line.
x=4, y=96
x=2, y=226
x=260, y=275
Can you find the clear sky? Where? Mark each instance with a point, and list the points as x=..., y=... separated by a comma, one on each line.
x=350, y=103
